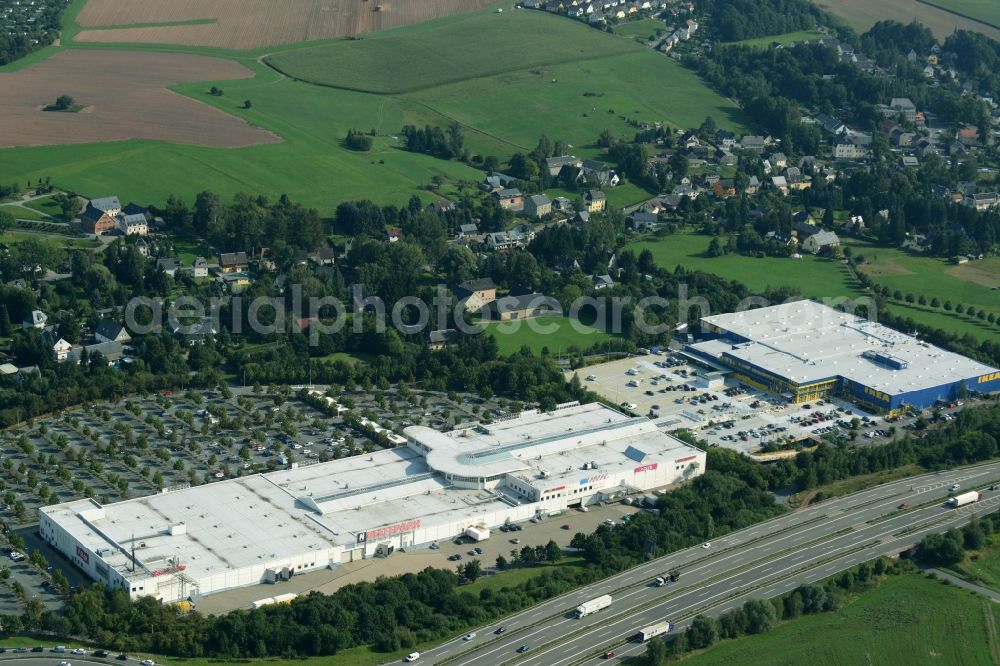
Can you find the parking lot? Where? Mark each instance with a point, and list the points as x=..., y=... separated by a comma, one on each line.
x=680, y=395
x=138, y=446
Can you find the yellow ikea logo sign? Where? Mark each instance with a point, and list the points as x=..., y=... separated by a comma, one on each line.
x=990, y=377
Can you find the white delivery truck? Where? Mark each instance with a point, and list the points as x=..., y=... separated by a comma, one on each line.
x=592, y=606
x=654, y=630
x=964, y=498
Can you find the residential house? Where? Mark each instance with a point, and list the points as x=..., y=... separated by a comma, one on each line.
x=725, y=139
x=845, y=149
x=496, y=181
x=7, y=369
x=727, y=159
x=468, y=230
x=325, y=256
x=901, y=138
x=168, y=265
x=690, y=140
x=904, y=108
x=476, y=294
x=393, y=234
x=752, y=144
x=643, y=221
x=600, y=172
x=111, y=352
x=525, y=306
x=556, y=164
x=724, y=188
x=510, y=198
x=602, y=282
x=36, y=319
x=442, y=338
x=142, y=247
x=110, y=205
x=199, y=267
x=820, y=241
x=61, y=350
x=233, y=262
x=96, y=221
x=111, y=331
x=537, y=206
x=969, y=136
x=909, y=162
x=780, y=184
x=831, y=124
x=778, y=160
x=596, y=18
x=982, y=201
x=441, y=206
x=753, y=185
x=502, y=241
x=133, y=225
x=595, y=201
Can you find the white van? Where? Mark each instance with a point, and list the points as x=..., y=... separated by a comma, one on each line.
x=413, y=656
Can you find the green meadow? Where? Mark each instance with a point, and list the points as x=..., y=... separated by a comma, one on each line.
x=558, y=334
x=785, y=38
x=506, y=78
x=906, y=621
x=643, y=28
x=814, y=276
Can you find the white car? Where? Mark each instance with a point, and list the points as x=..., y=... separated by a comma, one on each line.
x=413, y=656
x=609, y=522
x=65, y=663
x=79, y=651
x=469, y=636
x=591, y=378
x=707, y=544
x=148, y=662
x=955, y=486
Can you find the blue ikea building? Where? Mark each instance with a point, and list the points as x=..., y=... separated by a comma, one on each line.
x=805, y=350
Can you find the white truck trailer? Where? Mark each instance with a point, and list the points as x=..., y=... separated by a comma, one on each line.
x=592, y=606
x=654, y=630
x=964, y=498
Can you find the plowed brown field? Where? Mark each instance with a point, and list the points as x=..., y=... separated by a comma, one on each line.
x=250, y=24
x=124, y=96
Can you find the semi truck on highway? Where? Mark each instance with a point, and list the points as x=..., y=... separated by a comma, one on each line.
x=663, y=579
x=654, y=630
x=592, y=606
x=964, y=498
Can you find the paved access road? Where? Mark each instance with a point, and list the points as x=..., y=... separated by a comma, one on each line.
x=761, y=561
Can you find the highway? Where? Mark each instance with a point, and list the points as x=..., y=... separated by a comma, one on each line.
x=761, y=561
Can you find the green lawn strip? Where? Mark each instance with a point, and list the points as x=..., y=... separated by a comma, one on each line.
x=643, y=28
x=559, y=334
x=854, y=484
x=515, y=577
x=785, y=38
x=22, y=213
x=46, y=205
x=164, y=24
x=906, y=620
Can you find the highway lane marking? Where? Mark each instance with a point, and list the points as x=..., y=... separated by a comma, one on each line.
x=794, y=521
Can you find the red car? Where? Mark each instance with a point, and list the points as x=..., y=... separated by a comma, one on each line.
x=565, y=527
x=904, y=505
x=609, y=654
x=168, y=394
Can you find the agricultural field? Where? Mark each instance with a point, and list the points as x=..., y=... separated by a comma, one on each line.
x=863, y=14
x=478, y=45
x=252, y=24
x=122, y=98
x=984, y=11
x=559, y=334
x=310, y=163
x=906, y=621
